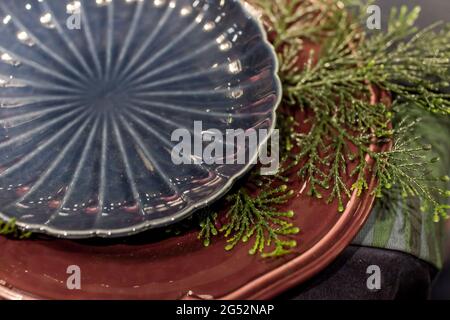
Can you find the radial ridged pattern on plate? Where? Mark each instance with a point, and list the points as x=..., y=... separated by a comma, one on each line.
x=91, y=92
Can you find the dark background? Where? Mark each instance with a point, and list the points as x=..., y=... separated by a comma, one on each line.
x=432, y=11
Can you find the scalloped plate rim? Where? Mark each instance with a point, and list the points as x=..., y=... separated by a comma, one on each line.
x=160, y=223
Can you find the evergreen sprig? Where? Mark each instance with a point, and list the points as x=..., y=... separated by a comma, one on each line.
x=408, y=169
x=335, y=83
x=344, y=66
x=256, y=217
x=401, y=60
x=208, y=227
x=10, y=229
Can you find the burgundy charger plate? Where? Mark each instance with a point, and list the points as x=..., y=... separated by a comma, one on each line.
x=180, y=267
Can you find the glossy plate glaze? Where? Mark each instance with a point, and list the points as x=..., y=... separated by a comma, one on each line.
x=91, y=92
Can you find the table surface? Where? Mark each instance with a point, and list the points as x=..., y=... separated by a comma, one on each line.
x=402, y=276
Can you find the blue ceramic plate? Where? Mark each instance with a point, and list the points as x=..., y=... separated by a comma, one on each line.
x=91, y=93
